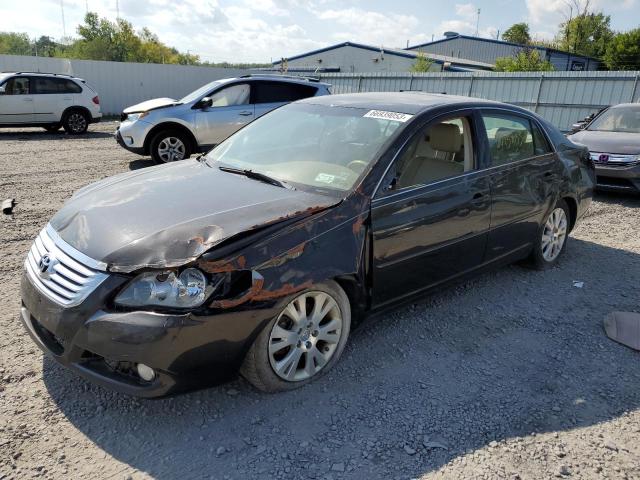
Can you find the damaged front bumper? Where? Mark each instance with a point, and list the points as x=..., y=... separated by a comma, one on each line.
x=184, y=350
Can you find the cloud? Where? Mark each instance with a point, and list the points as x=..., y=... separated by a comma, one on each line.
x=466, y=22
x=390, y=30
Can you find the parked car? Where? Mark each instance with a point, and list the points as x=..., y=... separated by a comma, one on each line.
x=48, y=100
x=582, y=124
x=261, y=255
x=171, y=130
x=613, y=138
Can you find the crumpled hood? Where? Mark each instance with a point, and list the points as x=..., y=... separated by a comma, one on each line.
x=608, y=142
x=150, y=105
x=167, y=216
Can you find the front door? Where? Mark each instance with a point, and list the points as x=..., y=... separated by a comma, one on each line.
x=431, y=225
x=229, y=112
x=524, y=168
x=16, y=103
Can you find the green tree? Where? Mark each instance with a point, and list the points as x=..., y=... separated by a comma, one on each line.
x=587, y=33
x=517, y=33
x=422, y=64
x=45, y=47
x=526, y=60
x=12, y=43
x=623, y=52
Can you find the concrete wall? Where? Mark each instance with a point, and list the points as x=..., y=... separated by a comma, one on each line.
x=123, y=84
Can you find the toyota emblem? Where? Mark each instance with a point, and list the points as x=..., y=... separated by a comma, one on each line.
x=44, y=263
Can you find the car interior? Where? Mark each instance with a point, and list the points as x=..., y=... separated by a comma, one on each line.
x=441, y=151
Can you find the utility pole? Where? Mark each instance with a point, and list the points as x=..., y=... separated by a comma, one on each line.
x=478, y=23
x=117, y=10
x=64, y=28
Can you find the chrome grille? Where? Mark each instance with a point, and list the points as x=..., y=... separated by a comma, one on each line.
x=61, y=272
x=614, y=159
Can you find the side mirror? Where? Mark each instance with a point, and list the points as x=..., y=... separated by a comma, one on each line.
x=3, y=90
x=206, y=102
x=576, y=127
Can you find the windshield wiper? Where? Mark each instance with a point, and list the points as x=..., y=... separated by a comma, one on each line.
x=257, y=176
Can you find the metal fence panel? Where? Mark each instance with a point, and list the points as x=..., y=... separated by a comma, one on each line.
x=560, y=97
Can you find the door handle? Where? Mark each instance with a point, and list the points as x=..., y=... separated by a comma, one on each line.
x=27, y=99
x=548, y=174
x=477, y=198
x=245, y=113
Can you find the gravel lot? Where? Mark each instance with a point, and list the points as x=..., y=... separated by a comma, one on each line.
x=506, y=376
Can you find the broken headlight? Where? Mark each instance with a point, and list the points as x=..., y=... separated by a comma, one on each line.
x=188, y=289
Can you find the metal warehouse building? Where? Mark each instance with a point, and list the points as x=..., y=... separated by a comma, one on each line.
x=487, y=50
x=350, y=57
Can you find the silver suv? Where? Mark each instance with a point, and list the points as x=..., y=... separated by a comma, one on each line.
x=48, y=100
x=170, y=130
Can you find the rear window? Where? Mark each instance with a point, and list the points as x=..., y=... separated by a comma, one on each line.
x=276, y=92
x=46, y=85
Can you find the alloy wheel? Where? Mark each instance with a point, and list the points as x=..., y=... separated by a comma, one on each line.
x=305, y=336
x=554, y=234
x=171, y=149
x=77, y=123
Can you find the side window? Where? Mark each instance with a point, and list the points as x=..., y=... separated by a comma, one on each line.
x=17, y=86
x=233, y=95
x=441, y=150
x=68, y=86
x=278, y=92
x=540, y=143
x=510, y=138
x=44, y=85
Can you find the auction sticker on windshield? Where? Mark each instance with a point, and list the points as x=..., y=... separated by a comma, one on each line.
x=384, y=115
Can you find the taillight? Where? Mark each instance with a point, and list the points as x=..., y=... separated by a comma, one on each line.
x=96, y=100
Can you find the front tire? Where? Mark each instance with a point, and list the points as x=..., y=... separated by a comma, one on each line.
x=552, y=237
x=302, y=342
x=169, y=146
x=76, y=122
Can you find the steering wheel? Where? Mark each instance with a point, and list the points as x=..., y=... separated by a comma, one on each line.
x=357, y=166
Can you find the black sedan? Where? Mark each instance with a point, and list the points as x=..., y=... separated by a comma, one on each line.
x=260, y=256
x=613, y=138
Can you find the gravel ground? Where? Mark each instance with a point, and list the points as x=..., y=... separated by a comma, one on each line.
x=506, y=376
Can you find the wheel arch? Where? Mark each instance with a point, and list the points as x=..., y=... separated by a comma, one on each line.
x=76, y=108
x=573, y=210
x=193, y=144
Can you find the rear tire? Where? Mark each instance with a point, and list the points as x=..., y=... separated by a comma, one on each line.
x=552, y=237
x=52, y=128
x=169, y=146
x=76, y=122
x=289, y=353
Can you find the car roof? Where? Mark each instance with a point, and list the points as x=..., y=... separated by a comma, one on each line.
x=43, y=74
x=276, y=78
x=402, y=102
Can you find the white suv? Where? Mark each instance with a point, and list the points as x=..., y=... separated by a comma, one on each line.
x=49, y=100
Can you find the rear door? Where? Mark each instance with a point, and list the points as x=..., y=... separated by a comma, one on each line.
x=52, y=96
x=230, y=111
x=431, y=217
x=524, y=180
x=16, y=103
x=268, y=95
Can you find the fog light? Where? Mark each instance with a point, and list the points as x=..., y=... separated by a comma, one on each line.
x=146, y=373
x=128, y=140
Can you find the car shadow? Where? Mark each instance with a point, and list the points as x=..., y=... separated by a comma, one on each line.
x=463, y=367
x=627, y=199
x=40, y=134
x=139, y=163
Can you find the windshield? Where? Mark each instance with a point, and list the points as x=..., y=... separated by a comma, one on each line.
x=323, y=147
x=618, y=119
x=196, y=94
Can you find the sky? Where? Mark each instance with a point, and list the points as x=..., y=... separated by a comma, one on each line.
x=266, y=30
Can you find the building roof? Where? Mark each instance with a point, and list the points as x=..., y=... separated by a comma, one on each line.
x=394, y=51
x=500, y=42
x=402, y=102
